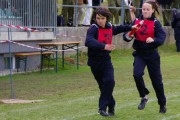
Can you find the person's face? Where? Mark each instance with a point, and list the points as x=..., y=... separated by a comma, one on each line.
x=147, y=10
x=101, y=20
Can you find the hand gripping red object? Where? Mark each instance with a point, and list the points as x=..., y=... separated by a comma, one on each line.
x=135, y=29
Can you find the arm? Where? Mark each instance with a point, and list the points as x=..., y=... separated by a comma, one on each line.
x=132, y=9
x=121, y=28
x=91, y=39
x=126, y=36
x=160, y=34
x=173, y=21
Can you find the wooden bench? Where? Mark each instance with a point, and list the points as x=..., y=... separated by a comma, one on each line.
x=23, y=57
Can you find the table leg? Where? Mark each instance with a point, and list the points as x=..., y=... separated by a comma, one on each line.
x=56, y=58
x=25, y=60
x=49, y=60
x=17, y=63
x=62, y=56
x=77, y=53
x=41, y=59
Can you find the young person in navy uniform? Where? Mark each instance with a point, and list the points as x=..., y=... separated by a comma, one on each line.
x=99, y=43
x=147, y=39
x=176, y=26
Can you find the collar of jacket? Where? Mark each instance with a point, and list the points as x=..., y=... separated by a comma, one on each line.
x=151, y=18
x=107, y=26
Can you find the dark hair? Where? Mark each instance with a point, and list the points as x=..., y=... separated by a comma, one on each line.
x=102, y=11
x=154, y=6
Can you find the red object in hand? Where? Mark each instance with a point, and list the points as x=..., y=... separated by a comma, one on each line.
x=135, y=29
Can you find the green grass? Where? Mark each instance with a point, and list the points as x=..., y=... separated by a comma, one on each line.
x=73, y=94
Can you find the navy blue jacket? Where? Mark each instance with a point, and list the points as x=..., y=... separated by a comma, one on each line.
x=96, y=50
x=176, y=23
x=159, y=37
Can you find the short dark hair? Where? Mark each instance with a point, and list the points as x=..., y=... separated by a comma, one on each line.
x=102, y=11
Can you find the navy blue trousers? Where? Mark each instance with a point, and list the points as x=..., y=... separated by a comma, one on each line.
x=152, y=61
x=177, y=38
x=104, y=74
x=178, y=45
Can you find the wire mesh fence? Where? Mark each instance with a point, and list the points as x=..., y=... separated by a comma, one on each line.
x=29, y=13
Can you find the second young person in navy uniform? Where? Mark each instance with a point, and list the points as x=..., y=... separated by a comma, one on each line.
x=176, y=26
x=99, y=43
x=147, y=39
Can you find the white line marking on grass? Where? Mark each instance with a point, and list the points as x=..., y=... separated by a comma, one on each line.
x=171, y=117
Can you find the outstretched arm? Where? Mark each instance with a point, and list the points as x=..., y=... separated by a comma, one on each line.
x=132, y=9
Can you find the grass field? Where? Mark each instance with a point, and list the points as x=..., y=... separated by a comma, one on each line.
x=73, y=94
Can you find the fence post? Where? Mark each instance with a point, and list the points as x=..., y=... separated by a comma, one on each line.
x=10, y=63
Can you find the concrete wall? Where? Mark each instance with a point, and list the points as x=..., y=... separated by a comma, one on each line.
x=26, y=36
x=15, y=47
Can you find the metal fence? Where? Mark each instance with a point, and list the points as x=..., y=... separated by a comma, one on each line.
x=29, y=13
x=119, y=9
x=70, y=8
x=43, y=13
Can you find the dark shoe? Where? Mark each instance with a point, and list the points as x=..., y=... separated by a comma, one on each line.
x=162, y=109
x=103, y=113
x=142, y=104
x=111, y=113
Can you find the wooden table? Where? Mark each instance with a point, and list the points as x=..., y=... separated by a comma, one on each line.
x=66, y=45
